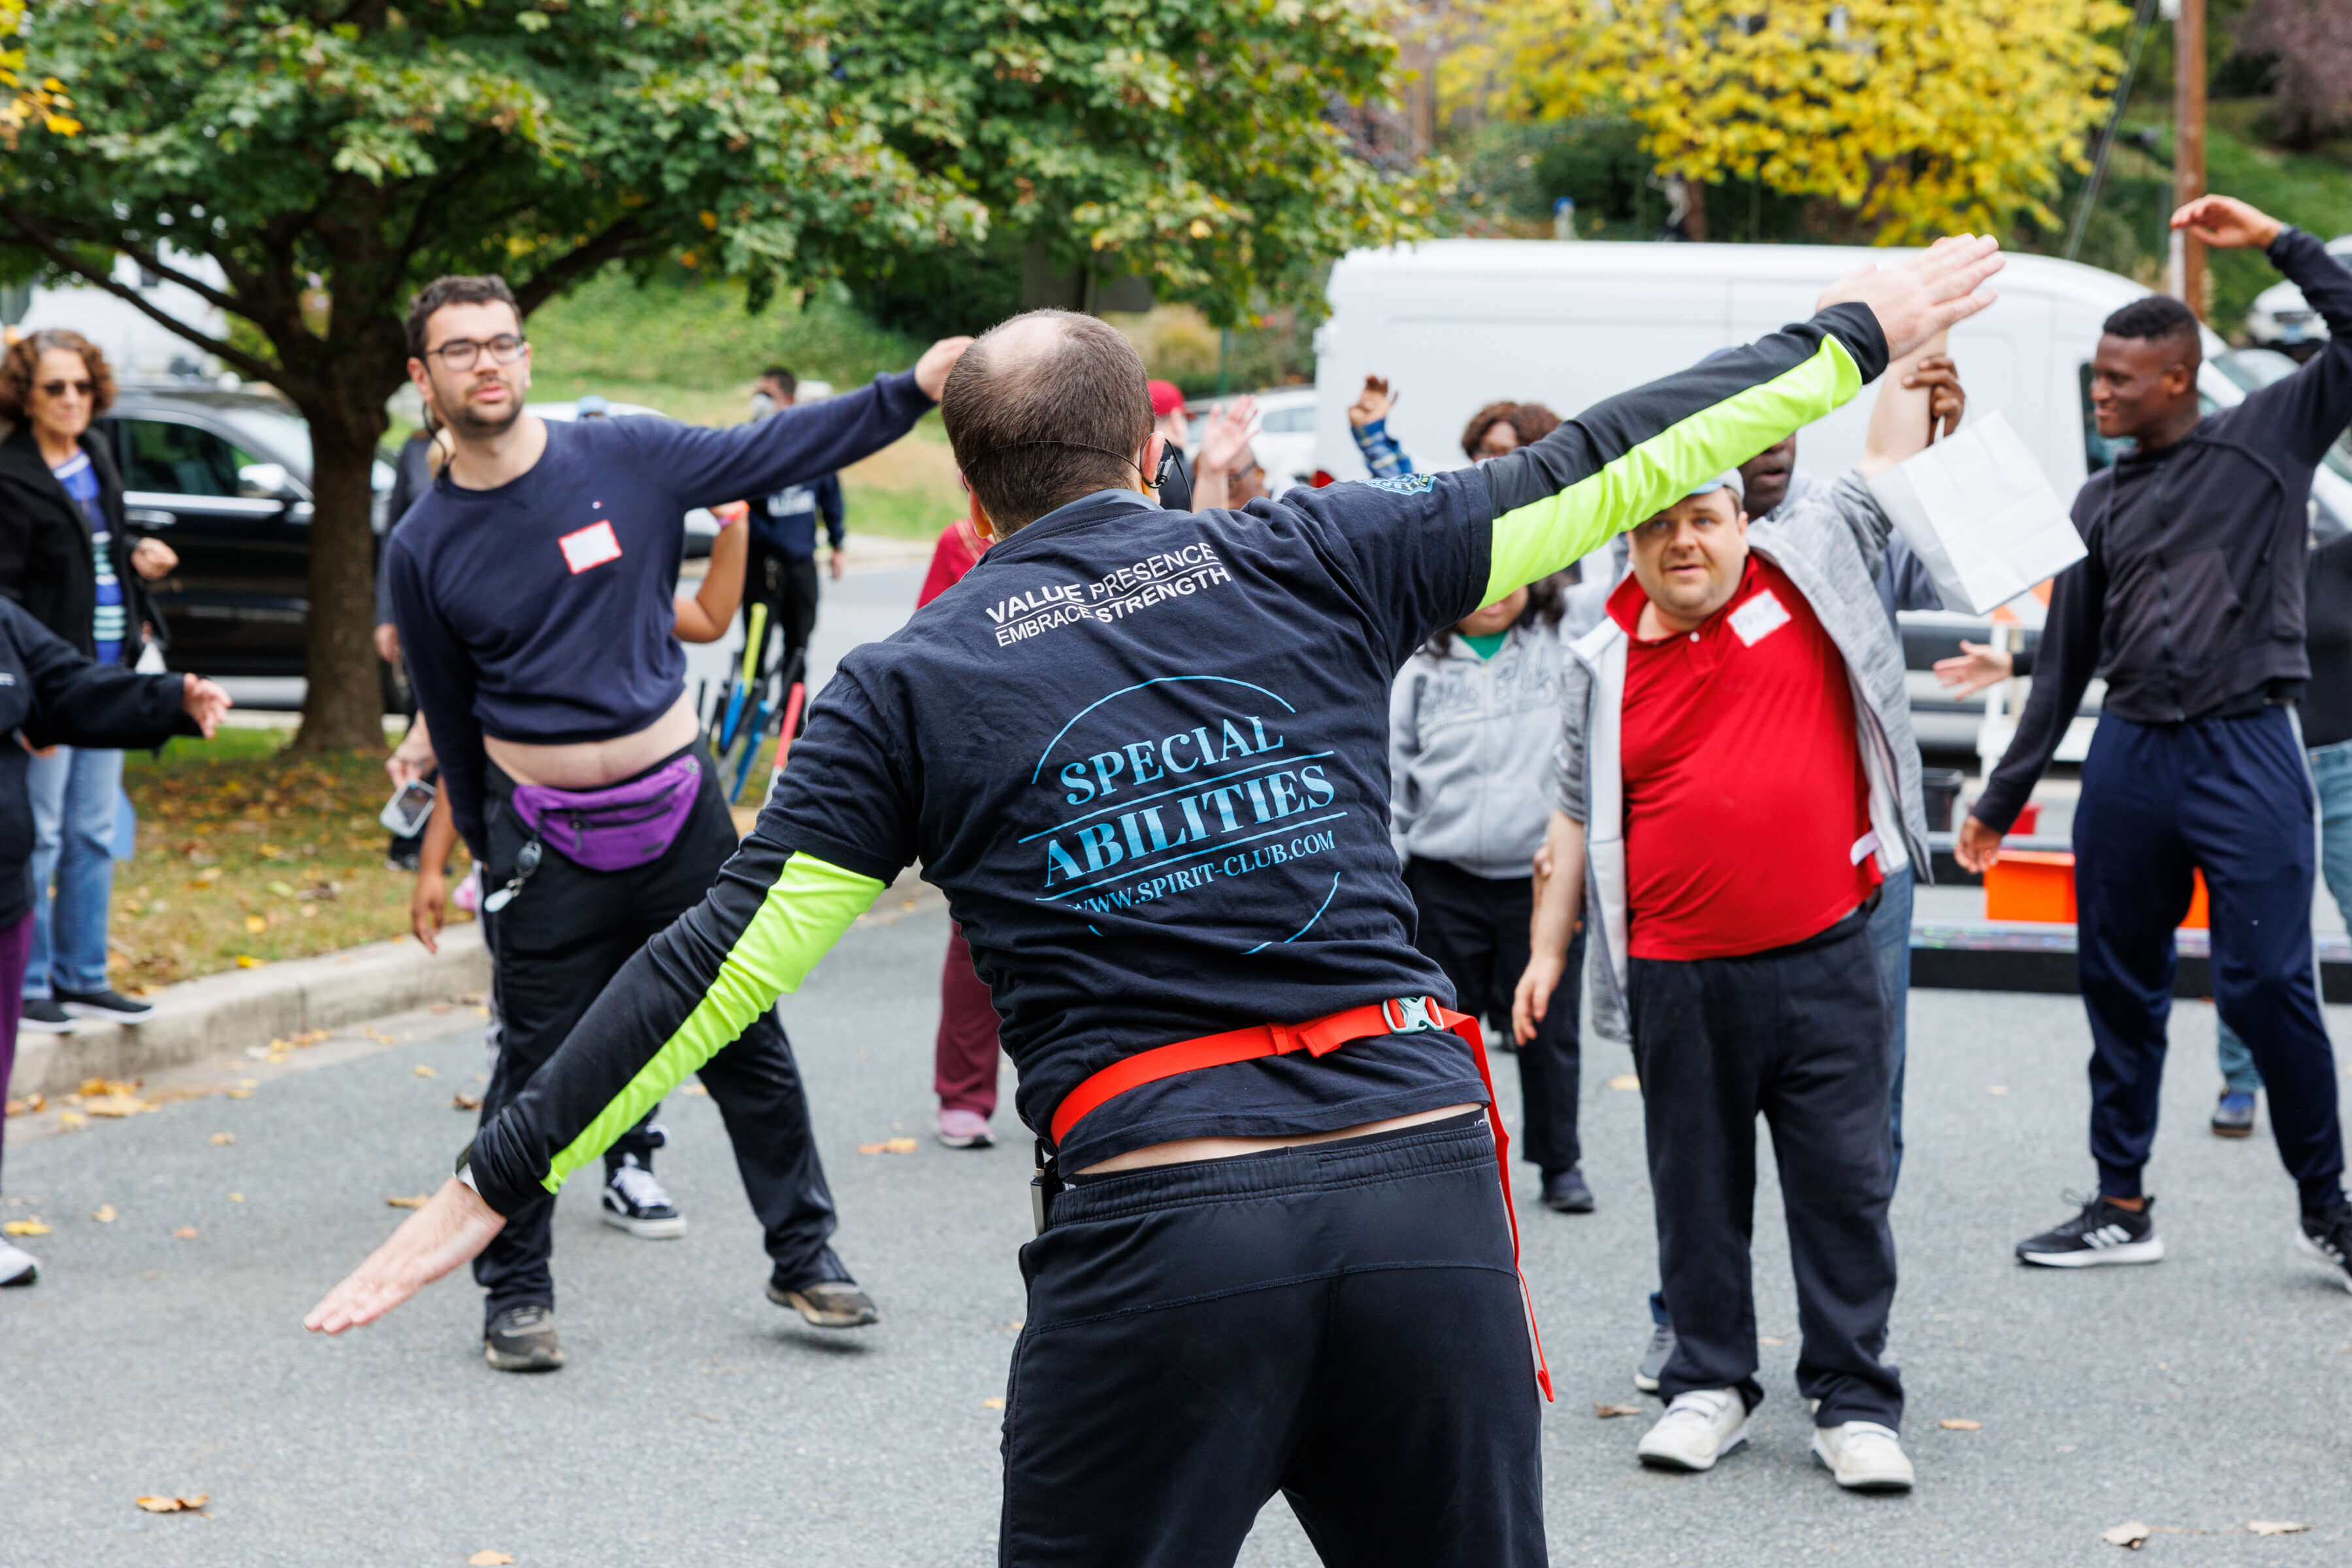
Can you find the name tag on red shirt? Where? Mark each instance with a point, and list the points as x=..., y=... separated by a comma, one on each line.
x=590, y=546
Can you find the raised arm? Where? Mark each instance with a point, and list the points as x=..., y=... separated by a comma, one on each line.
x=2306, y=411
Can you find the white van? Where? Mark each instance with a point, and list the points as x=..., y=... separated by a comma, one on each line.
x=1455, y=324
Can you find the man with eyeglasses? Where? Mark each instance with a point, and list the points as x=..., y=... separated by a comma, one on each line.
x=531, y=585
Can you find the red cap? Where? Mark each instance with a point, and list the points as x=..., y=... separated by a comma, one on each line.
x=1165, y=398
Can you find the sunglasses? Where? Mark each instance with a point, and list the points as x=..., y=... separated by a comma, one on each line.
x=58, y=388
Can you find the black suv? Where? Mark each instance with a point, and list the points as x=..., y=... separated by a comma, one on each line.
x=224, y=477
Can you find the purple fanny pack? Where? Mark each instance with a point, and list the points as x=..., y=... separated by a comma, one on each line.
x=618, y=826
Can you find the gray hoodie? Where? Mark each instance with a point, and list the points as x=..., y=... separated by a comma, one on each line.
x=1470, y=750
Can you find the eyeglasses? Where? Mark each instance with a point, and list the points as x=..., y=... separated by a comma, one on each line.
x=58, y=388
x=464, y=354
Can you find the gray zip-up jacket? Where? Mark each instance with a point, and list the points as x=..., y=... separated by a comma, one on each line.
x=1829, y=543
x=1470, y=745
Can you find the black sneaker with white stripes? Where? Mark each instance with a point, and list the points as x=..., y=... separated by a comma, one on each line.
x=2102, y=1233
x=2328, y=1237
x=636, y=1203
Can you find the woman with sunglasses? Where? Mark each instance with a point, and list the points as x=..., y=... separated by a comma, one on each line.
x=65, y=556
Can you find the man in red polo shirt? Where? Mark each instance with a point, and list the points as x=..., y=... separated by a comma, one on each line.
x=1737, y=777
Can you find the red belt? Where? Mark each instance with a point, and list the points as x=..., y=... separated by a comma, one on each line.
x=1317, y=1036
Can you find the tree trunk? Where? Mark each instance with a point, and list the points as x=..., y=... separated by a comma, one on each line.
x=343, y=707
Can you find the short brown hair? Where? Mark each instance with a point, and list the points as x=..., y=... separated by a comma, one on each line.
x=1532, y=421
x=22, y=363
x=1039, y=418
x=455, y=290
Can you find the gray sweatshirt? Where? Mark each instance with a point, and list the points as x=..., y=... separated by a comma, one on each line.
x=1470, y=753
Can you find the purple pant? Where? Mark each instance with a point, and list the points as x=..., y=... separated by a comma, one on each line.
x=16, y=948
x=964, y=1067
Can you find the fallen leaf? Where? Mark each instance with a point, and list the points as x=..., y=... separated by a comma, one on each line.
x=186, y=1233
x=2133, y=1535
x=418, y=1202
x=176, y=1504
x=105, y=1214
x=890, y=1146
x=1996, y=1088
x=465, y=1102
x=694, y=1088
x=29, y=1103
x=117, y=1105
x=72, y=1120
x=238, y=1093
x=1610, y=1412
x=1962, y=1424
x=223, y=1137
x=237, y=1197
x=423, y=1071
x=25, y=1228
x=281, y=889
x=256, y=924
x=992, y=1402
x=489, y=1559
x=246, y=960
x=2276, y=1527
x=1625, y=1080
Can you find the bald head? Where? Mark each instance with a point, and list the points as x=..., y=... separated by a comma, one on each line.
x=1045, y=409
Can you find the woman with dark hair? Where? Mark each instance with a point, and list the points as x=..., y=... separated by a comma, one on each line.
x=1473, y=720
x=65, y=556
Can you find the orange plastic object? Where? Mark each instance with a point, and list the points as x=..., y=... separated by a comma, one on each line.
x=2031, y=885
x=2039, y=885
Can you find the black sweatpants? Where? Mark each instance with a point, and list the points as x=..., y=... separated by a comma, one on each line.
x=1339, y=1322
x=1476, y=929
x=787, y=585
x=2233, y=796
x=554, y=949
x=1799, y=1033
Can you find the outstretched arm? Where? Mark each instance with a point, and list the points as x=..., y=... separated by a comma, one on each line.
x=2307, y=410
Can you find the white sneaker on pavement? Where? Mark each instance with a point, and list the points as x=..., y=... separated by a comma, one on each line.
x=1698, y=1428
x=1863, y=1456
x=18, y=1266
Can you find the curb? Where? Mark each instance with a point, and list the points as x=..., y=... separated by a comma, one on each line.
x=219, y=1015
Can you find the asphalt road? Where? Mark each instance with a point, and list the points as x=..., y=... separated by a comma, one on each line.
x=699, y=1425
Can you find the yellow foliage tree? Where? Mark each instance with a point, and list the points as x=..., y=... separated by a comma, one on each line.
x=23, y=99
x=1925, y=116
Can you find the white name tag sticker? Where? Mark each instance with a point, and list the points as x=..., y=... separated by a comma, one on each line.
x=1756, y=619
x=595, y=544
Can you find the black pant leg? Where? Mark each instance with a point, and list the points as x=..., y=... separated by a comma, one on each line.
x=1696, y=1047
x=755, y=1080
x=1455, y=931
x=796, y=610
x=1825, y=1096
x=1550, y=1065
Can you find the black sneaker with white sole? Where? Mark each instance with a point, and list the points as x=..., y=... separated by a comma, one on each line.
x=636, y=1203
x=522, y=1339
x=43, y=1016
x=2328, y=1237
x=826, y=1303
x=105, y=1002
x=2102, y=1233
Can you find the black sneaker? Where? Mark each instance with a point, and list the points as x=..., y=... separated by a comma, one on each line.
x=2233, y=1117
x=1653, y=1364
x=1564, y=1191
x=826, y=1303
x=106, y=1003
x=522, y=1339
x=636, y=1203
x=43, y=1016
x=2328, y=1237
x=2102, y=1233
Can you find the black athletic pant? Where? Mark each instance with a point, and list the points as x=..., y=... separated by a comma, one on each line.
x=787, y=585
x=1799, y=1033
x=554, y=949
x=1340, y=1323
x=1476, y=929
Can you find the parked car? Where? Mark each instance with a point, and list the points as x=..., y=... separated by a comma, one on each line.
x=2282, y=319
x=224, y=477
x=701, y=527
x=1286, y=438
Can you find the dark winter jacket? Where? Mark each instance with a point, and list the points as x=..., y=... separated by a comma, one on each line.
x=45, y=561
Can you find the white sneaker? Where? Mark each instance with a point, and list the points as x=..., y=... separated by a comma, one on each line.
x=636, y=1203
x=18, y=1266
x=1863, y=1456
x=1698, y=1428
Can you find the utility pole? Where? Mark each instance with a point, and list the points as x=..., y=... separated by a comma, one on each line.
x=2188, y=145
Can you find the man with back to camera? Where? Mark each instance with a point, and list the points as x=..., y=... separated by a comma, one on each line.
x=1145, y=754
x=531, y=585
x=2191, y=602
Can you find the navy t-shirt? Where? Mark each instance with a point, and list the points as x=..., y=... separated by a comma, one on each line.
x=1145, y=753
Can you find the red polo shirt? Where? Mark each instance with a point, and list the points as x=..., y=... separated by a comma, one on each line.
x=1746, y=805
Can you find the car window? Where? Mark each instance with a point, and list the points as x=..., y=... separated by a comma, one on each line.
x=1299, y=421
x=170, y=458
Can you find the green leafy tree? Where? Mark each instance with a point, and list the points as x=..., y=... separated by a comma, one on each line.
x=353, y=149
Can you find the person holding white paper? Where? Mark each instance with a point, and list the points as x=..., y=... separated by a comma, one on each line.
x=2191, y=602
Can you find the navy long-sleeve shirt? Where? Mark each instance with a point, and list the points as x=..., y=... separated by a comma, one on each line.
x=540, y=611
x=787, y=520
